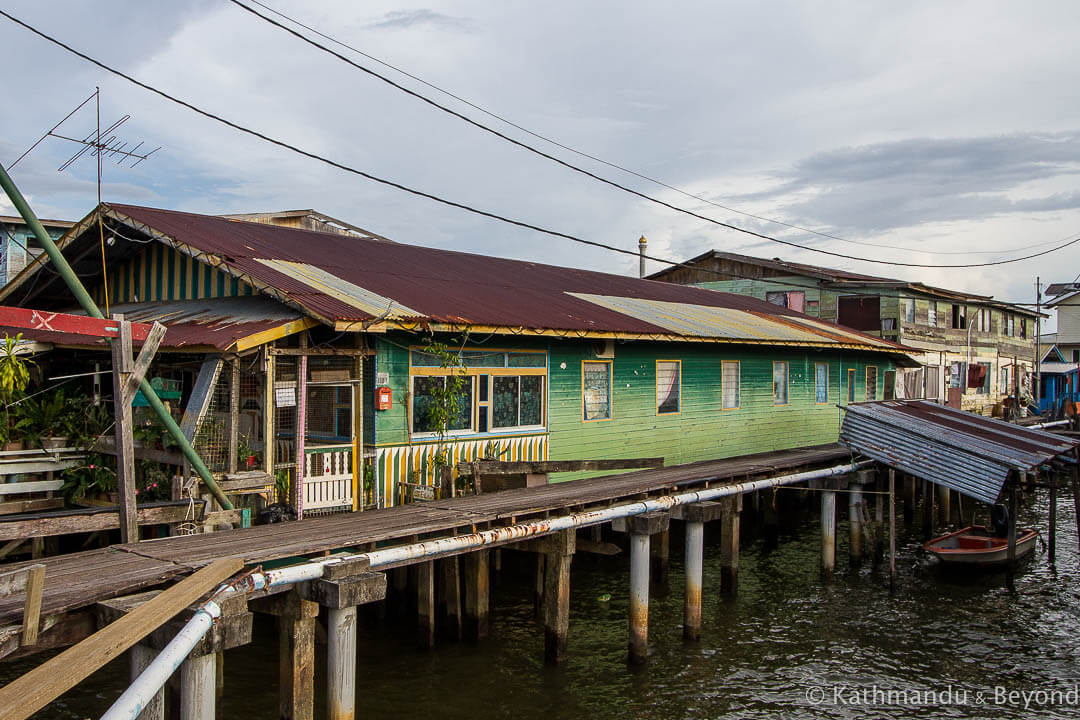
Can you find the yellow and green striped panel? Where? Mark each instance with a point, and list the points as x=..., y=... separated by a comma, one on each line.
x=399, y=463
x=160, y=272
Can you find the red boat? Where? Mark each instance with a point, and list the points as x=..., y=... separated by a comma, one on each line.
x=976, y=546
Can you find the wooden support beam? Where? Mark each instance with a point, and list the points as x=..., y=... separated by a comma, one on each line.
x=201, y=394
x=296, y=652
x=234, y=413
x=729, y=543
x=660, y=552
x=497, y=467
x=318, y=352
x=25, y=695
x=477, y=589
x=198, y=687
x=557, y=596
x=425, y=604
x=140, y=657
x=451, y=597
x=35, y=584
x=65, y=522
x=828, y=532
x=125, y=455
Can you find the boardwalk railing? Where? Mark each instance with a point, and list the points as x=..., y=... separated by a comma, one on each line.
x=328, y=477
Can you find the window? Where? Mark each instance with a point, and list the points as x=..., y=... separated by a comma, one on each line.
x=931, y=314
x=425, y=395
x=729, y=384
x=871, y=383
x=959, y=317
x=780, y=383
x=1010, y=325
x=668, y=380
x=821, y=383
x=933, y=382
x=851, y=385
x=984, y=320
x=517, y=401
x=957, y=373
x=330, y=413
x=1006, y=386
x=793, y=299
x=909, y=311
x=861, y=312
x=1076, y=356
x=984, y=388
x=812, y=308
x=1023, y=327
x=888, y=390
x=888, y=324
x=502, y=390
x=596, y=390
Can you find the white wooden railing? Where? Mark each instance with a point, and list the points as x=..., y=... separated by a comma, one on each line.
x=328, y=477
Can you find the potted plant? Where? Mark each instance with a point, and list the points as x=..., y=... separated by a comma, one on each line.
x=246, y=453
x=47, y=419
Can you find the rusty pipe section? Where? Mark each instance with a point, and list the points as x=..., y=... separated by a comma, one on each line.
x=144, y=687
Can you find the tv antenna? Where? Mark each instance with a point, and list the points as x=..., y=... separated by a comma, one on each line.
x=102, y=145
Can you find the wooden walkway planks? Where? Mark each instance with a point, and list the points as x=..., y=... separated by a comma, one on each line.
x=81, y=579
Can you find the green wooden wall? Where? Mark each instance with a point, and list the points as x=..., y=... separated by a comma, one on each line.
x=159, y=273
x=700, y=430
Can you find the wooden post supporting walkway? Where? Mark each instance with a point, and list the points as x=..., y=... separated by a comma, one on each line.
x=425, y=604
x=731, y=507
x=559, y=551
x=296, y=652
x=198, y=687
x=477, y=589
x=828, y=532
x=141, y=656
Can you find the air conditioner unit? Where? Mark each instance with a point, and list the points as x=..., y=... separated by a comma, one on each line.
x=604, y=349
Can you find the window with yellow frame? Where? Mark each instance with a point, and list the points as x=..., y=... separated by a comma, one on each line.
x=595, y=390
x=821, y=383
x=504, y=390
x=668, y=386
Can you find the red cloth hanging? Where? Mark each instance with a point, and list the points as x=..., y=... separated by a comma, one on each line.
x=976, y=376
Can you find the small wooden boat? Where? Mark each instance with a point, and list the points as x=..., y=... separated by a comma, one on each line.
x=976, y=546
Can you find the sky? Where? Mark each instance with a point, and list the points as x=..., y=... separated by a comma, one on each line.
x=918, y=132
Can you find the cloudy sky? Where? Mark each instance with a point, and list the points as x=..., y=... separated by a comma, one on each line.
x=923, y=132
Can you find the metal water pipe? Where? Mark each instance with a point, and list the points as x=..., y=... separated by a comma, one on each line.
x=90, y=308
x=143, y=688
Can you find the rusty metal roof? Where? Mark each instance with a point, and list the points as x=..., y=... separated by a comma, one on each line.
x=356, y=283
x=965, y=452
x=191, y=324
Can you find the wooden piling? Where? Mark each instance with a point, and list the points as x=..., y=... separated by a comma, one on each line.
x=695, y=517
x=1011, y=570
x=1051, y=535
x=296, y=652
x=731, y=507
x=198, y=687
x=879, y=522
x=141, y=656
x=660, y=551
x=927, y=509
x=451, y=583
x=477, y=589
x=828, y=532
x=944, y=506
x=559, y=549
x=538, y=587
x=425, y=604
x=855, y=524
x=909, y=499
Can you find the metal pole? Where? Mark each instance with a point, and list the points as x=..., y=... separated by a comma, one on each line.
x=88, y=305
x=695, y=535
x=828, y=532
x=1038, y=341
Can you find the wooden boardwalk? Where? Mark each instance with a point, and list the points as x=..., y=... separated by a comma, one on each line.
x=80, y=580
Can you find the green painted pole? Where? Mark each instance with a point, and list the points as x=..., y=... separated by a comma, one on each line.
x=90, y=307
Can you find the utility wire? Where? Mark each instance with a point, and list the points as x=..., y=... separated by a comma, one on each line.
x=445, y=201
x=581, y=170
x=609, y=163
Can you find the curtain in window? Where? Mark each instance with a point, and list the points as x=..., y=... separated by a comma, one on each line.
x=780, y=382
x=667, y=387
x=729, y=384
x=596, y=386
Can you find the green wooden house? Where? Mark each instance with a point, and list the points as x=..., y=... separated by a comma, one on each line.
x=326, y=354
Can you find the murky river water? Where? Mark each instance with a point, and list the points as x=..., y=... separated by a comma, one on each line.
x=780, y=648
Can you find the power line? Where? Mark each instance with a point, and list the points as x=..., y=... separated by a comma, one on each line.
x=600, y=160
x=428, y=195
x=581, y=170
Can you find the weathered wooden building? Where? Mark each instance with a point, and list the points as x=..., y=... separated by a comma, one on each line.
x=969, y=347
x=314, y=358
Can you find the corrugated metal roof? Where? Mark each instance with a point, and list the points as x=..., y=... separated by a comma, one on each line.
x=216, y=323
x=339, y=279
x=968, y=453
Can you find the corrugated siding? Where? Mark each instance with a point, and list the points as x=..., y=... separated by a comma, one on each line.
x=159, y=272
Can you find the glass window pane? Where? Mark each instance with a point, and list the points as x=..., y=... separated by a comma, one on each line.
x=423, y=359
x=821, y=382
x=532, y=400
x=780, y=383
x=320, y=411
x=504, y=401
x=596, y=386
x=667, y=387
x=482, y=381
x=529, y=360
x=729, y=384
x=423, y=398
x=461, y=412
x=476, y=359
x=851, y=386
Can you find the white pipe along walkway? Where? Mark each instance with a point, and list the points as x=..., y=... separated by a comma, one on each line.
x=150, y=681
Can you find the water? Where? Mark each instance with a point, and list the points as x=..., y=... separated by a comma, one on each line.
x=787, y=639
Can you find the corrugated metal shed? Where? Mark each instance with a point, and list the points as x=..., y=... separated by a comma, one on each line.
x=965, y=452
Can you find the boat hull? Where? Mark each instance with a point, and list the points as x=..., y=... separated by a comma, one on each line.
x=975, y=546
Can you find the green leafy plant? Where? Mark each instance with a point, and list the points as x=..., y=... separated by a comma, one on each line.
x=14, y=377
x=48, y=416
x=281, y=485
x=154, y=482
x=90, y=479
x=446, y=401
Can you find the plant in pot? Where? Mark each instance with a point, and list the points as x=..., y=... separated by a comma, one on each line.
x=14, y=377
x=48, y=418
x=247, y=455
x=90, y=480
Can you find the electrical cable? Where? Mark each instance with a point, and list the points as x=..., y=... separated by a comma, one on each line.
x=588, y=173
x=452, y=203
x=609, y=163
